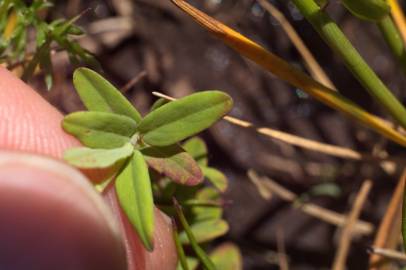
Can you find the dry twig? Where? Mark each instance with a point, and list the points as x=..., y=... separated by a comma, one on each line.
x=326, y=215
x=389, y=254
x=280, y=243
x=315, y=69
x=389, y=230
x=347, y=233
x=130, y=84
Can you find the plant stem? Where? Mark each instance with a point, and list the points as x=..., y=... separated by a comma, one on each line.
x=392, y=37
x=179, y=248
x=204, y=259
x=339, y=43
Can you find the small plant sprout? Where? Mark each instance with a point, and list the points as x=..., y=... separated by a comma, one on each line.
x=145, y=154
x=18, y=19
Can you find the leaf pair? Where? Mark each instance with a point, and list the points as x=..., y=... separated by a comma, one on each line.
x=118, y=137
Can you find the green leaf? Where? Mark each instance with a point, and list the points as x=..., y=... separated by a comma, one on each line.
x=173, y=162
x=325, y=189
x=202, y=213
x=197, y=148
x=227, y=257
x=87, y=158
x=184, y=117
x=371, y=10
x=191, y=262
x=158, y=103
x=100, y=129
x=217, y=178
x=133, y=187
x=205, y=231
x=41, y=35
x=99, y=95
x=201, y=254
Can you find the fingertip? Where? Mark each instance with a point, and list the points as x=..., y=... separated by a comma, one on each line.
x=52, y=218
x=27, y=122
x=164, y=252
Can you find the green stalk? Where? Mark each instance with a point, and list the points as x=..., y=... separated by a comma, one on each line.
x=392, y=37
x=339, y=43
x=201, y=254
x=179, y=248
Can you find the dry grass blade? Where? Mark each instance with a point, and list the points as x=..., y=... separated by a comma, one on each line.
x=134, y=81
x=333, y=150
x=280, y=243
x=389, y=230
x=311, y=209
x=288, y=73
x=389, y=254
x=314, y=68
x=347, y=233
x=299, y=141
x=398, y=17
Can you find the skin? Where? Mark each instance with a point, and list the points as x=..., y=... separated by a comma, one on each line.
x=50, y=216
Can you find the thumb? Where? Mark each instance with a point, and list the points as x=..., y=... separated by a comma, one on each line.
x=51, y=218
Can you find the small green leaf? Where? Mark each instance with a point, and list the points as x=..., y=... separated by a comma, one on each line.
x=227, y=257
x=191, y=262
x=197, y=148
x=99, y=95
x=133, y=188
x=184, y=117
x=41, y=35
x=46, y=65
x=325, y=189
x=202, y=213
x=217, y=178
x=100, y=129
x=87, y=158
x=205, y=231
x=371, y=10
x=158, y=103
x=173, y=162
x=201, y=254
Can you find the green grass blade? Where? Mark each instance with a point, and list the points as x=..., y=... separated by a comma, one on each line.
x=339, y=43
x=179, y=248
x=394, y=40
